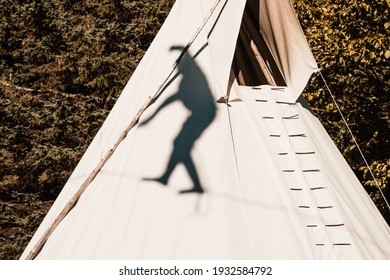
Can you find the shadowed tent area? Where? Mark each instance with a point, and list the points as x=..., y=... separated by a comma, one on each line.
x=253, y=62
x=194, y=93
x=230, y=124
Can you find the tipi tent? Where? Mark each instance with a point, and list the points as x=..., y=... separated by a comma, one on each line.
x=229, y=163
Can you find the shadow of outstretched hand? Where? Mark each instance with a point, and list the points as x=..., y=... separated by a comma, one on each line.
x=144, y=122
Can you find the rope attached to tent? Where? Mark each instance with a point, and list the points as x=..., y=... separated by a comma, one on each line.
x=70, y=205
x=354, y=139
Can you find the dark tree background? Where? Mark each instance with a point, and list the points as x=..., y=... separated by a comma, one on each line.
x=64, y=63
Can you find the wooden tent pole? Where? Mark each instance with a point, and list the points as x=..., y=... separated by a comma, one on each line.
x=69, y=206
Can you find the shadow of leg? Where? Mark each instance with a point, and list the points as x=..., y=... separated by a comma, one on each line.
x=161, y=180
x=189, y=164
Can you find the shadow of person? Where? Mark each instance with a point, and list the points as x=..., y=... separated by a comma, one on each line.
x=195, y=94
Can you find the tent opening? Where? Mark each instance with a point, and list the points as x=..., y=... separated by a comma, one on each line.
x=253, y=63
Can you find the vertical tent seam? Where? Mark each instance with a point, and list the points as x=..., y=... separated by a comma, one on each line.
x=239, y=180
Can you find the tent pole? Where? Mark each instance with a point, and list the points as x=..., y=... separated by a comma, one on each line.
x=69, y=206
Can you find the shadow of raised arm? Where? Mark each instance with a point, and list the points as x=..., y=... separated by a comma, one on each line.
x=162, y=106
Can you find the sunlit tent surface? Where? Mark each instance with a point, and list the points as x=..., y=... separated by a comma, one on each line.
x=229, y=163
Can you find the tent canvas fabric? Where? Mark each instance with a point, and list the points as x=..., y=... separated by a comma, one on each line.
x=227, y=164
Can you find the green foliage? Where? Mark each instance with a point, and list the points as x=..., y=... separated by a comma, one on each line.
x=350, y=40
x=89, y=47
x=64, y=63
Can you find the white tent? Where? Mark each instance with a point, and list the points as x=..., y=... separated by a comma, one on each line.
x=229, y=163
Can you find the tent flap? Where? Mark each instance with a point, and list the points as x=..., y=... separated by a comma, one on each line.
x=287, y=43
